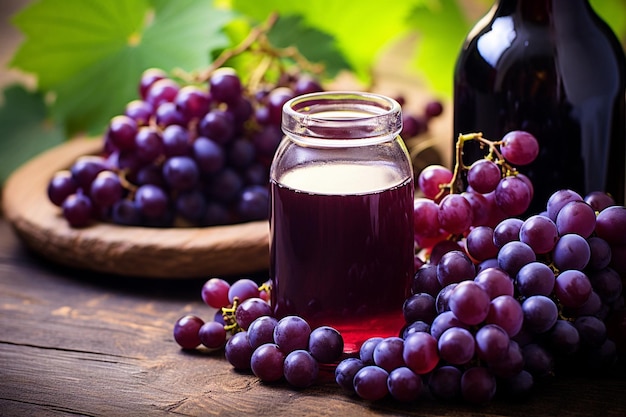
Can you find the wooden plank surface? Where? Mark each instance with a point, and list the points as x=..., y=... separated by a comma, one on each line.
x=80, y=343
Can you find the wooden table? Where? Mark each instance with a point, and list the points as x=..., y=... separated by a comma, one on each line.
x=79, y=343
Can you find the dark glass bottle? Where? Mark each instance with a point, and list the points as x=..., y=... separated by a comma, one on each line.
x=555, y=69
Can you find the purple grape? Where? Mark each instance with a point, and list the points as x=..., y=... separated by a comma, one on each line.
x=241, y=109
x=454, y=267
x=456, y=346
x=292, y=333
x=251, y=309
x=455, y=214
x=512, y=196
x=191, y=205
x=592, y=330
x=243, y=289
x=192, y=101
x=478, y=385
x=175, y=141
x=420, y=352
x=571, y=252
x=537, y=360
x=241, y=153
x=125, y=212
x=388, y=353
x=599, y=200
x=162, y=91
x=535, y=278
x=573, y=288
x=225, y=186
x=121, y=132
x=495, y=282
x=212, y=335
x=266, y=140
x=253, y=203
x=140, y=111
x=267, y=362
x=600, y=253
x=425, y=280
x=611, y=224
x=150, y=174
x=326, y=344
x=563, y=338
x=106, y=189
x=514, y=255
x=238, y=351
x=366, y=351
x=607, y=283
x=519, y=147
x=300, y=369
x=275, y=101
x=419, y=307
x=306, y=84
x=151, y=201
x=443, y=298
x=559, y=199
x=479, y=243
x=181, y=172
x=404, y=385
x=225, y=85
x=370, y=383
x=416, y=326
x=483, y=176
x=517, y=386
x=148, y=144
x=540, y=233
x=492, y=343
x=77, y=210
x=469, y=302
x=507, y=231
x=506, y=312
x=217, y=125
x=61, y=185
x=186, y=331
x=576, y=217
x=445, y=383
x=149, y=77
x=443, y=322
x=482, y=208
x=345, y=372
x=540, y=313
x=85, y=169
x=261, y=331
x=167, y=114
x=214, y=293
x=209, y=155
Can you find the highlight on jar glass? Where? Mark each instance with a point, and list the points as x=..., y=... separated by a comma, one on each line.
x=341, y=219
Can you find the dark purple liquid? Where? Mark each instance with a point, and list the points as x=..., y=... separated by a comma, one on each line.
x=552, y=68
x=344, y=261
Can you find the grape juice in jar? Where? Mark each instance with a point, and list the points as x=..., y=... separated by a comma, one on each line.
x=341, y=225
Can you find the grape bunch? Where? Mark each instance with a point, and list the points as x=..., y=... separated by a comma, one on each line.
x=502, y=301
x=194, y=153
x=253, y=340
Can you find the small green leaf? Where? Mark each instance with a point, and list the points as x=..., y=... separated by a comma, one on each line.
x=91, y=53
x=314, y=44
x=26, y=131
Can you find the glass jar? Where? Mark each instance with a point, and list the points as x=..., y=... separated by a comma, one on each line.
x=555, y=69
x=341, y=221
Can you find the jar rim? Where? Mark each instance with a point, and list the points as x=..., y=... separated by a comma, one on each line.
x=326, y=117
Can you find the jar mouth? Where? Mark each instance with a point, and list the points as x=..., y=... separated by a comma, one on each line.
x=336, y=116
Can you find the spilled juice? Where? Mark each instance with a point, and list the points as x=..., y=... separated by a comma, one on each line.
x=342, y=247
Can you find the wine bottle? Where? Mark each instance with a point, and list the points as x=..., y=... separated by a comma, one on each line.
x=555, y=69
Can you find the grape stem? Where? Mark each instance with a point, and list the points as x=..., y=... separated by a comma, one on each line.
x=455, y=185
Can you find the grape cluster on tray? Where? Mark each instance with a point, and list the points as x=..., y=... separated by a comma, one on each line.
x=500, y=298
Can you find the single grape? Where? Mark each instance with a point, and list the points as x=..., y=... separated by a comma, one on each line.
x=186, y=331
x=77, y=210
x=426, y=218
x=326, y=344
x=563, y=338
x=416, y=326
x=455, y=214
x=388, y=353
x=125, y=212
x=445, y=383
x=167, y=114
x=483, y=176
x=540, y=313
x=192, y=101
x=121, y=132
x=266, y=141
x=243, y=289
x=140, y=111
x=607, y=283
x=215, y=293
x=442, y=301
x=419, y=306
x=225, y=186
x=506, y=312
x=404, y=385
x=425, y=280
x=225, y=85
x=519, y=147
x=469, y=302
x=535, y=278
x=454, y=267
x=148, y=144
x=191, y=205
x=149, y=77
x=106, y=189
x=306, y=84
x=345, y=372
x=432, y=178
x=85, y=169
x=482, y=208
x=300, y=369
x=443, y=322
x=540, y=233
x=162, y=91
x=599, y=200
x=253, y=203
x=275, y=102
x=571, y=252
x=370, y=383
x=537, y=360
x=558, y=199
x=251, y=309
x=599, y=253
x=456, y=346
x=420, y=352
x=151, y=201
x=507, y=231
x=492, y=343
x=61, y=186
x=611, y=224
x=573, y=288
x=495, y=282
x=479, y=243
x=181, y=172
x=217, y=125
x=576, y=217
x=212, y=335
x=592, y=330
x=175, y=140
x=292, y=333
x=261, y=331
x=478, y=385
x=514, y=255
x=267, y=362
x=512, y=196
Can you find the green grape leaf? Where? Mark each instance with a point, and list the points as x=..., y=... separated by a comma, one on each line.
x=317, y=46
x=441, y=27
x=26, y=129
x=90, y=54
x=360, y=30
